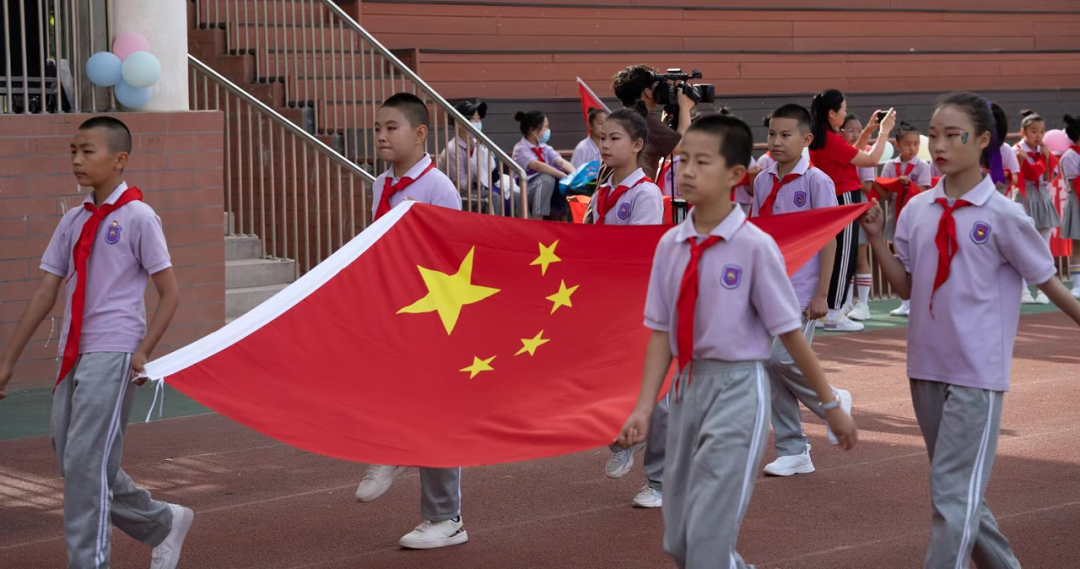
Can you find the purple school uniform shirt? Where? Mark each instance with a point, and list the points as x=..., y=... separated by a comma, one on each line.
x=586, y=152
x=744, y=296
x=640, y=205
x=1070, y=166
x=969, y=339
x=920, y=176
x=432, y=188
x=813, y=189
x=129, y=247
x=466, y=167
x=524, y=154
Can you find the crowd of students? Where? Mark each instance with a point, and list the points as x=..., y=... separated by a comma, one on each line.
x=720, y=305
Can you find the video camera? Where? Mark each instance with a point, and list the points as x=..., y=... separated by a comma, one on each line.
x=667, y=92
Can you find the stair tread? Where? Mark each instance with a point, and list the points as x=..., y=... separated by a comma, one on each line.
x=256, y=261
x=264, y=288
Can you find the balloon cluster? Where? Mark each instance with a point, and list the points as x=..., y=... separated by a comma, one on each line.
x=130, y=69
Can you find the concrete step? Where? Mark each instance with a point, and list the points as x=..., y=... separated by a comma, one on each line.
x=247, y=273
x=238, y=247
x=239, y=301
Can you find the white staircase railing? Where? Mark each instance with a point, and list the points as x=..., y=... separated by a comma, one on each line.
x=302, y=198
x=331, y=67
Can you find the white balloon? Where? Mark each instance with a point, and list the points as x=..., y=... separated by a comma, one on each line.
x=141, y=69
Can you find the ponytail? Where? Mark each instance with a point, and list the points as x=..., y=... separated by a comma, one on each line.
x=823, y=102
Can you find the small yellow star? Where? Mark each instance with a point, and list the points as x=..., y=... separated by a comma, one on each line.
x=530, y=345
x=479, y=365
x=447, y=294
x=547, y=257
x=562, y=298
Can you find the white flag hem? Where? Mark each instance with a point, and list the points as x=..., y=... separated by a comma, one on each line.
x=278, y=304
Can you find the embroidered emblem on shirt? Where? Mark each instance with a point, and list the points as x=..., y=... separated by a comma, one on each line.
x=800, y=198
x=980, y=232
x=732, y=276
x=112, y=236
x=624, y=211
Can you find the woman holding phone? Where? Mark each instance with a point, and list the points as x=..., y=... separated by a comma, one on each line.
x=832, y=154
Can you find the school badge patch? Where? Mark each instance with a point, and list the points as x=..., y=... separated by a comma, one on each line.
x=624, y=211
x=732, y=276
x=800, y=198
x=112, y=236
x=980, y=232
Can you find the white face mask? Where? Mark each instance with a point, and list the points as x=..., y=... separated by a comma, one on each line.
x=478, y=125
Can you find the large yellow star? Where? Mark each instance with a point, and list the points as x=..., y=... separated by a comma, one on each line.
x=547, y=257
x=448, y=293
x=562, y=298
x=530, y=345
x=479, y=365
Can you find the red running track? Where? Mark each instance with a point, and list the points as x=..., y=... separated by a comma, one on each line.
x=260, y=504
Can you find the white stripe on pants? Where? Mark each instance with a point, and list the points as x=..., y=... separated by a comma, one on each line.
x=960, y=426
x=716, y=438
x=89, y=417
x=847, y=251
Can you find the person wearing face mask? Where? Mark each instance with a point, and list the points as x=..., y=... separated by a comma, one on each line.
x=469, y=164
x=543, y=166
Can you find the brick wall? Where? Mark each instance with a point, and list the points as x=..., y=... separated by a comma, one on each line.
x=177, y=162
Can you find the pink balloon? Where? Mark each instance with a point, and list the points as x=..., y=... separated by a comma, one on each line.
x=128, y=43
x=1057, y=141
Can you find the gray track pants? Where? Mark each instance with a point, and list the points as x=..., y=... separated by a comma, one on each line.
x=717, y=433
x=789, y=387
x=89, y=417
x=440, y=494
x=960, y=426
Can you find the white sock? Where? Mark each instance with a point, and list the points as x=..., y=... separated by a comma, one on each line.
x=1074, y=274
x=864, y=282
x=833, y=315
x=905, y=304
x=847, y=295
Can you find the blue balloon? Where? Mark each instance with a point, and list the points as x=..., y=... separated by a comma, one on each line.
x=131, y=97
x=141, y=69
x=104, y=69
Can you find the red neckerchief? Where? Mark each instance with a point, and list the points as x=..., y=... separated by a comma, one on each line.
x=390, y=188
x=946, y=242
x=686, y=305
x=81, y=254
x=770, y=200
x=606, y=198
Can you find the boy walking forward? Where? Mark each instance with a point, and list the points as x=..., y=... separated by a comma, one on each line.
x=104, y=250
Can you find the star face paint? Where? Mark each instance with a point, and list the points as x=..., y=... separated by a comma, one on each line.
x=964, y=138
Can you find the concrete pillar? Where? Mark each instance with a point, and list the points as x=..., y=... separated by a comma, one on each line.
x=165, y=24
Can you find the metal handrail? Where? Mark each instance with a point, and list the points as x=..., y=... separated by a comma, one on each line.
x=334, y=71
x=284, y=122
x=310, y=222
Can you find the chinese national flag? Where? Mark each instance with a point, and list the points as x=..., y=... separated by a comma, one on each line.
x=589, y=100
x=445, y=338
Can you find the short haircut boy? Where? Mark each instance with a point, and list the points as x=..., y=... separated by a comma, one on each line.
x=412, y=107
x=736, y=140
x=116, y=132
x=794, y=111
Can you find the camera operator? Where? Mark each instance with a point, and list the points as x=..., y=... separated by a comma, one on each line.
x=636, y=86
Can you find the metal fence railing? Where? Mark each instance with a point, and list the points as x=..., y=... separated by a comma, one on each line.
x=44, y=46
x=302, y=198
x=335, y=70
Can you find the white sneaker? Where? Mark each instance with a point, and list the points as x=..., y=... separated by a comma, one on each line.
x=621, y=461
x=859, y=312
x=843, y=324
x=845, y=403
x=649, y=498
x=167, y=555
x=904, y=311
x=433, y=535
x=1076, y=292
x=1026, y=298
x=788, y=465
x=1041, y=298
x=377, y=481
x=819, y=323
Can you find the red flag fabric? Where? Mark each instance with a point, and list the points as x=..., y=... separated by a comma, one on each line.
x=589, y=100
x=444, y=338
